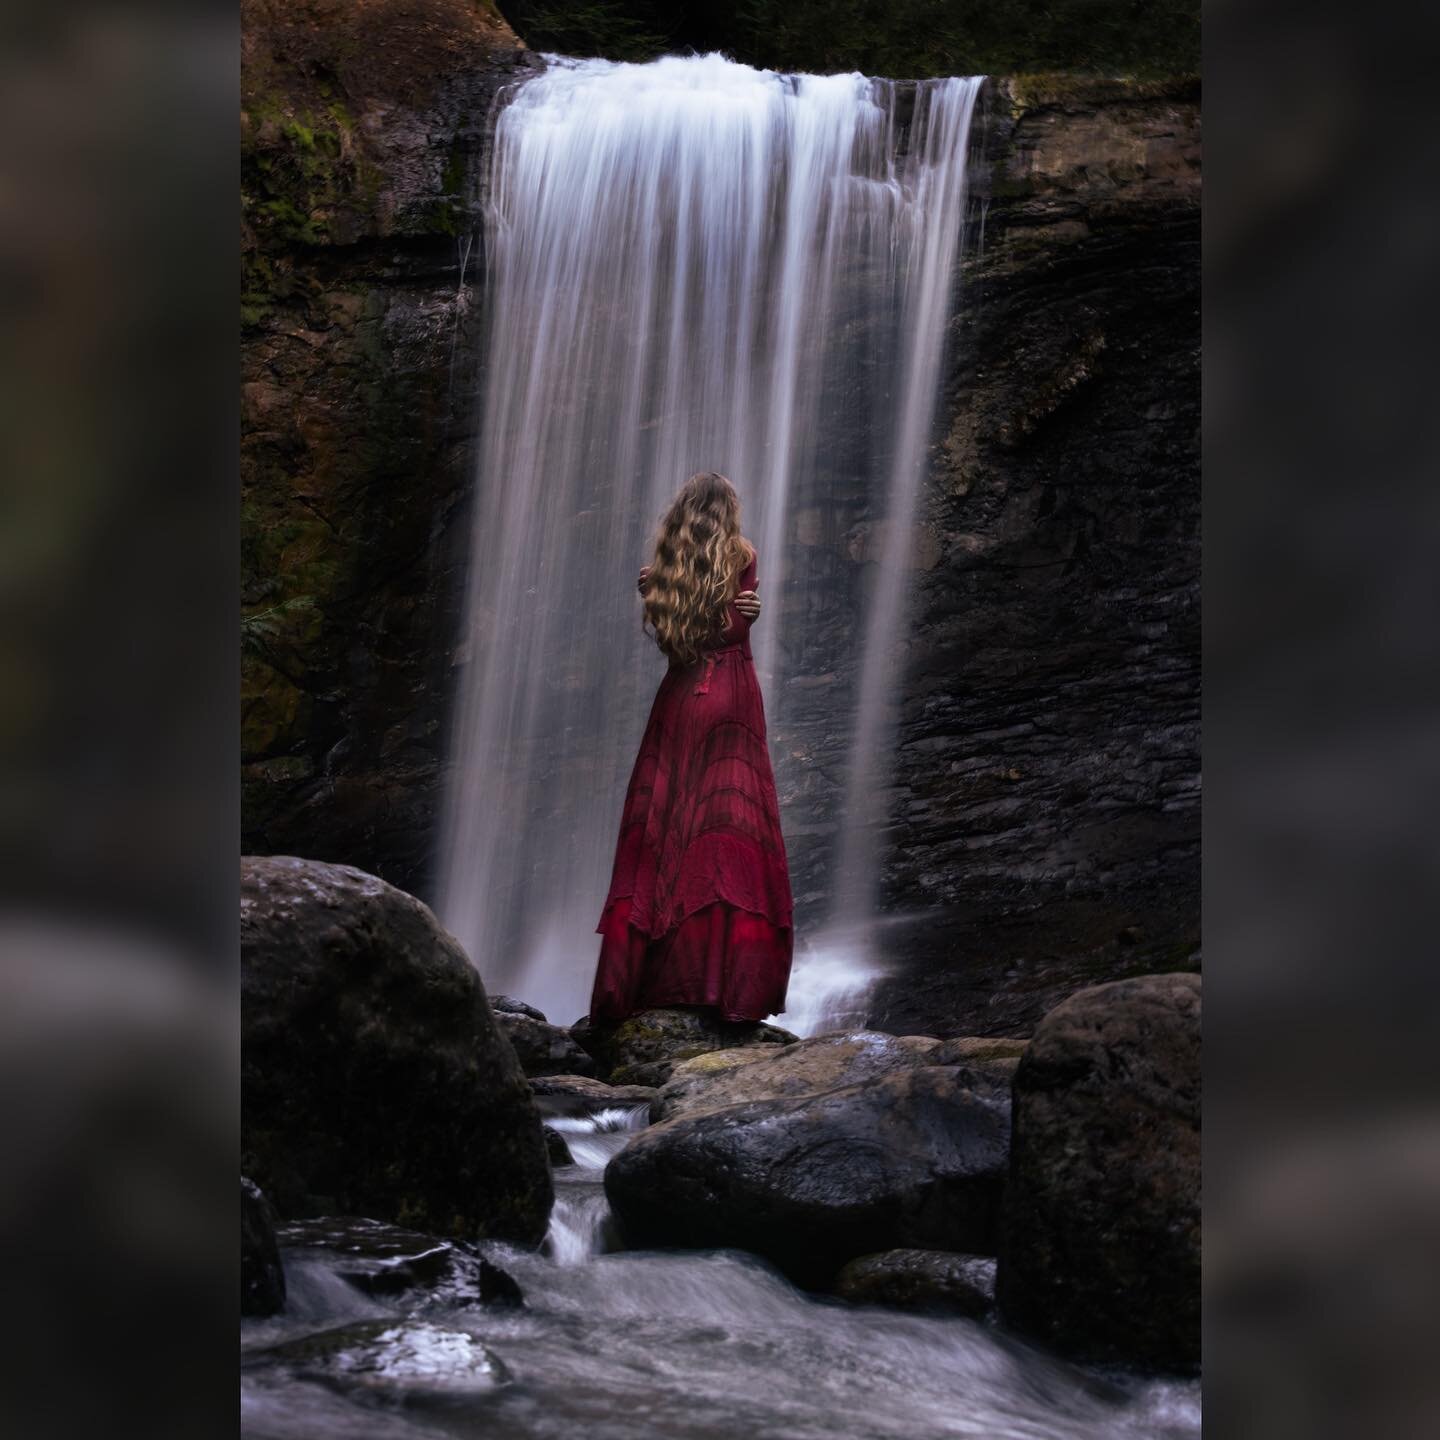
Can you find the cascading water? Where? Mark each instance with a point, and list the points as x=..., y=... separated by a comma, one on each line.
x=693, y=265
x=577, y=1223
x=635, y=1345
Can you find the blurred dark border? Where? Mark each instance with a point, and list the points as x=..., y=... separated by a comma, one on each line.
x=118, y=720
x=1322, y=749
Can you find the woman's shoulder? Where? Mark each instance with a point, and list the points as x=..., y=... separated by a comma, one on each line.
x=752, y=554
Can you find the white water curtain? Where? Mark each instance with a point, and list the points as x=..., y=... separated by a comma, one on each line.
x=693, y=266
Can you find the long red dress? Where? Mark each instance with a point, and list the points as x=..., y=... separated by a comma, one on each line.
x=699, y=908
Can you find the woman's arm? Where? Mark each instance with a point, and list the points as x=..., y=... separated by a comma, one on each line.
x=747, y=602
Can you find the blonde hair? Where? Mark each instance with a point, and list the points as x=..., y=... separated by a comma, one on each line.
x=699, y=555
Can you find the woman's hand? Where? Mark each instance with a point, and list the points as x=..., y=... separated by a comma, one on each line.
x=747, y=602
x=644, y=576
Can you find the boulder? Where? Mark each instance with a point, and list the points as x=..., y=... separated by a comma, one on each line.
x=921, y=1280
x=543, y=1049
x=580, y=1094
x=375, y=1257
x=989, y=1060
x=669, y=1035
x=374, y=1079
x=651, y=1074
x=769, y=1072
x=398, y=1361
x=1101, y=1250
x=508, y=1005
x=262, y=1277
x=386, y=1260
x=910, y=1159
x=498, y=1287
x=980, y=1050
x=557, y=1149
x=586, y=1036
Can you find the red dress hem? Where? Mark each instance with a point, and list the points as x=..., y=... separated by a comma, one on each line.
x=720, y=957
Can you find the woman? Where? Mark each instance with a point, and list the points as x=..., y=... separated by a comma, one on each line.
x=699, y=909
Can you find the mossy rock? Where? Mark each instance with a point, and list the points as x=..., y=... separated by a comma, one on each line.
x=673, y=1035
x=808, y=1067
x=979, y=1050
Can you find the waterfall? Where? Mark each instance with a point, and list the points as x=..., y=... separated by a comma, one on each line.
x=693, y=265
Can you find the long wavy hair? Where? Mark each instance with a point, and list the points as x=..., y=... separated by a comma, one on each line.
x=699, y=554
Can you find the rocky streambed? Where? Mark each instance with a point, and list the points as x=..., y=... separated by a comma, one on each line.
x=853, y=1234
x=645, y=1345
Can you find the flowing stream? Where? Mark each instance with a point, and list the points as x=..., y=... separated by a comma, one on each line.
x=633, y=1345
x=695, y=265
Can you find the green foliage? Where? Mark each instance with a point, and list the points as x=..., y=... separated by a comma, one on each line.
x=616, y=29
x=264, y=284
x=901, y=38
x=299, y=135
x=295, y=171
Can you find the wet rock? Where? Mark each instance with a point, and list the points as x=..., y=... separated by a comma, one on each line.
x=996, y=1059
x=557, y=1150
x=374, y=1080
x=692, y=1076
x=1101, y=1249
x=585, y=1035
x=767, y=1072
x=543, y=1049
x=262, y=1276
x=910, y=1159
x=498, y=1287
x=921, y=1280
x=979, y=1050
x=378, y=1258
x=579, y=1094
x=672, y=1035
x=651, y=1074
x=506, y=1005
x=406, y=1360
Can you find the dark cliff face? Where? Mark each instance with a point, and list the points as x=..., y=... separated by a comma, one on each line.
x=1048, y=788
x=362, y=135
x=1045, y=813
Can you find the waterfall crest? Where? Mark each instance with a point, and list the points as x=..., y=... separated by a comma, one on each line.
x=693, y=265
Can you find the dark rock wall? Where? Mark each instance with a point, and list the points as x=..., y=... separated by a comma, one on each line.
x=362, y=135
x=1045, y=815
x=1048, y=781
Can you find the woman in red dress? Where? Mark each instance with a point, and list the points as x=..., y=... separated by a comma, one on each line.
x=699, y=908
